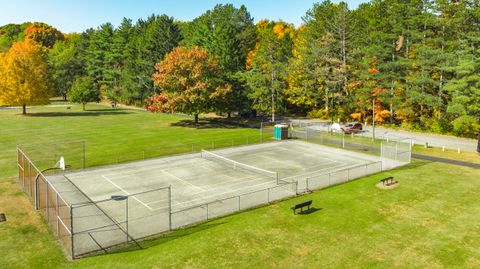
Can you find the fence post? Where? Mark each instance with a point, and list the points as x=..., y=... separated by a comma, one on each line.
x=84, y=154
x=170, y=207
x=56, y=209
x=207, y=211
x=30, y=184
x=54, y=153
x=35, y=194
x=261, y=132
x=126, y=219
x=47, y=210
x=71, y=232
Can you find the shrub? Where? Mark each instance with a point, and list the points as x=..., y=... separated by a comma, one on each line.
x=319, y=114
x=466, y=126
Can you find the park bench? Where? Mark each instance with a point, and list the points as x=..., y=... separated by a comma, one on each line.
x=301, y=206
x=388, y=181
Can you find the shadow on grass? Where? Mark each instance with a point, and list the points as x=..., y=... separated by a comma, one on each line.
x=309, y=211
x=168, y=237
x=87, y=113
x=416, y=163
x=206, y=124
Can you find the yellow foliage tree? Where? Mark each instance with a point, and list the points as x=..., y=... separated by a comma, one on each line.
x=24, y=76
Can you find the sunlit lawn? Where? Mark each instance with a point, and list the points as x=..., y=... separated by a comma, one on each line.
x=429, y=221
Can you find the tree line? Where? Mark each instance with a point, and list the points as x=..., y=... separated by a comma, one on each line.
x=416, y=62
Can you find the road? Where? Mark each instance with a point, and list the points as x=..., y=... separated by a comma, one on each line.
x=449, y=142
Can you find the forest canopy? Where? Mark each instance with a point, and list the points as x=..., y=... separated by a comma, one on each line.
x=418, y=60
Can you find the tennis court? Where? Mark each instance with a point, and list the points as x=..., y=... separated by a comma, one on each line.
x=197, y=180
x=119, y=204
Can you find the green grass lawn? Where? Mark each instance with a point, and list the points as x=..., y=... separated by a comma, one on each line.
x=111, y=135
x=429, y=221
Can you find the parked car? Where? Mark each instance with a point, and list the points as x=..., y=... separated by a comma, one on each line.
x=354, y=128
x=336, y=127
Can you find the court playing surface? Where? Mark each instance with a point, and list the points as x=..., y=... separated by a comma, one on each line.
x=195, y=180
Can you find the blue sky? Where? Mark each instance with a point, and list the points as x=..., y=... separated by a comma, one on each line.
x=77, y=16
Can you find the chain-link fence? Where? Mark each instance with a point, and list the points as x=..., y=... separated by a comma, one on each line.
x=394, y=152
x=353, y=142
x=46, y=198
x=218, y=208
x=85, y=227
x=119, y=221
x=81, y=155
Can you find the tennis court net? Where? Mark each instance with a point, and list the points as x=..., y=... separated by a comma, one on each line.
x=237, y=165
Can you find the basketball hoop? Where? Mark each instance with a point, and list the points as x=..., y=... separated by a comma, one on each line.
x=60, y=164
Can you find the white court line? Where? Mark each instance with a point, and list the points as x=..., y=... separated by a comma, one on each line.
x=224, y=193
x=127, y=193
x=184, y=181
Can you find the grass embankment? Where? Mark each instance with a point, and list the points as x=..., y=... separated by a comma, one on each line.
x=429, y=221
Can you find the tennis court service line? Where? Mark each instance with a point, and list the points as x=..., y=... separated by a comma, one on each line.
x=182, y=180
x=127, y=193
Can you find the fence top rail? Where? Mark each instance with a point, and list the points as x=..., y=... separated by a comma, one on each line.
x=318, y=173
x=53, y=187
x=63, y=224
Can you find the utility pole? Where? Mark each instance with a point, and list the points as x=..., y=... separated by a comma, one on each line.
x=273, y=106
x=373, y=120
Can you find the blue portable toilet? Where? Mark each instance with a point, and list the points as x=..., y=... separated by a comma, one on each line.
x=280, y=132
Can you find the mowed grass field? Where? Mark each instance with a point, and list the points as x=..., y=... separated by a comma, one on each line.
x=429, y=221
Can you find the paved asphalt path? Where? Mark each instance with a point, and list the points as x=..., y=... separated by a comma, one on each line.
x=449, y=142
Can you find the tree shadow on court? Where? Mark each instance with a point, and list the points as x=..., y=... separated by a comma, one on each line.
x=168, y=237
x=87, y=113
x=309, y=211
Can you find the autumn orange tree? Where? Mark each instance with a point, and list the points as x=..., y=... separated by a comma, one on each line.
x=43, y=34
x=190, y=82
x=24, y=76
